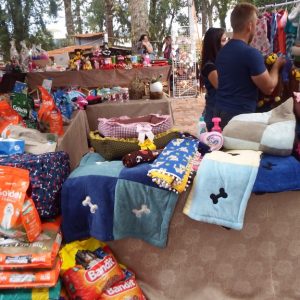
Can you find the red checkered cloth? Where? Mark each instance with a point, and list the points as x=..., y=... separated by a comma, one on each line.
x=125, y=127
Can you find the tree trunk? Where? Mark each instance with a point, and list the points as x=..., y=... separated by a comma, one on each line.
x=20, y=27
x=204, y=17
x=78, y=5
x=109, y=6
x=139, y=20
x=69, y=18
x=210, y=15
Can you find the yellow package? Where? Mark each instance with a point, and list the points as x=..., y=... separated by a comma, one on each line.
x=68, y=252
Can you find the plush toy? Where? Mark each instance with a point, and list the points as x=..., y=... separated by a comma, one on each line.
x=87, y=64
x=271, y=58
x=13, y=51
x=267, y=102
x=76, y=62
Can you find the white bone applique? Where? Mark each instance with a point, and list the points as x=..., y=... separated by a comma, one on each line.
x=181, y=169
x=139, y=159
x=177, y=142
x=184, y=149
x=173, y=158
x=143, y=210
x=88, y=202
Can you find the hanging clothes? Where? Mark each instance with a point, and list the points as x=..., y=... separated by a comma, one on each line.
x=260, y=40
x=273, y=34
x=290, y=34
x=281, y=37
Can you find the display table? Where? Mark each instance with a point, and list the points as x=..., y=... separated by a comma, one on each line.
x=204, y=261
x=132, y=108
x=97, y=78
x=75, y=138
x=8, y=81
x=208, y=262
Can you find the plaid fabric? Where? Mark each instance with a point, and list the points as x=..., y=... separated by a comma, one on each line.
x=125, y=127
x=112, y=148
x=47, y=173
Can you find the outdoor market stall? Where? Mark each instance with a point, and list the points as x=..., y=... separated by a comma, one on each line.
x=97, y=78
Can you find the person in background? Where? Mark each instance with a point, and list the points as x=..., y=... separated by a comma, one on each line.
x=144, y=46
x=168, y=47
x=241, y=68
x=214, y=40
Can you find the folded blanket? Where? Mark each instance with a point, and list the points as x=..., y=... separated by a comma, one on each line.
x=277, y=174
x=143, y=212
x=222, y=187
x=172, y=168
x=94, y=181
x=121, y=202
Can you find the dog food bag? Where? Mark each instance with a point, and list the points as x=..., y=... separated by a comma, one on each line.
x=49, y=115
x=125, y=289
x=39, y=254
x=19, y=218
x=8, y=116
x=52, y=293
x=94, y=272
x=34, y=278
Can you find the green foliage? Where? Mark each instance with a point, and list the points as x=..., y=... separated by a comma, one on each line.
x=162, y=15
x=94, y=16
x=25, y=20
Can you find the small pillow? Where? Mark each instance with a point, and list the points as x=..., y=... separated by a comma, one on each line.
x=272, y=132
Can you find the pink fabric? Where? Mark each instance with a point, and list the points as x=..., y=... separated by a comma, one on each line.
x=260, y=40
x=125, y=127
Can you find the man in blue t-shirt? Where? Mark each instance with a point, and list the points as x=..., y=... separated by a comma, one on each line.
x=241, y=68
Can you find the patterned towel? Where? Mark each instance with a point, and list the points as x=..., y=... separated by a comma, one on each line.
x=222, y=187
x=172, y=168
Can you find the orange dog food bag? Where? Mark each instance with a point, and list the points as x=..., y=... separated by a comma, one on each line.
x=19, y=218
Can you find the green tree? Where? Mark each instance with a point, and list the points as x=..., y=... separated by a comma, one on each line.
x=139, y=19
x=25, y=20
x=162, y=15
x=78, y=20
x=110, y=16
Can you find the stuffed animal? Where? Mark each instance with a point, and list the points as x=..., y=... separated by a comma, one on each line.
x=87, y=65
x=267, y=102
x=76, y=62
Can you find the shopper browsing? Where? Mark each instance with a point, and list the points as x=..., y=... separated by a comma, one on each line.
x=241, y=69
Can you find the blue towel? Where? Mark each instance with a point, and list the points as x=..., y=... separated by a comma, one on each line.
x=277, y=174
x=222, y=187
x=97, y=180
x=143, y=212
x=118, y=192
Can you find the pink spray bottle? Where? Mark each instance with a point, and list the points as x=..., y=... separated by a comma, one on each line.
x=216, y=126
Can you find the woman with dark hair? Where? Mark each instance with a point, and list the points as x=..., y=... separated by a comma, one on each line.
x=144, y=46
x=213, y=41
x=168, y=47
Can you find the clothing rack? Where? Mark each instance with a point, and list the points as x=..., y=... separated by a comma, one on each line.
x=279, y=4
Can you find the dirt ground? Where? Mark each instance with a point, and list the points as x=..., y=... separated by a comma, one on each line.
x=186, y=112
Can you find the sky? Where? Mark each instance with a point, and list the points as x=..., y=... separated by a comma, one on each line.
x=58, y=29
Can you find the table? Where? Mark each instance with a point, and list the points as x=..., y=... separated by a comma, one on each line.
x=75, y=138
x=97, y=78
x=8, y=81
x=133, y=108
x=208, y=262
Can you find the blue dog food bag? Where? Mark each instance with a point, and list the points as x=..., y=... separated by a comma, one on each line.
x=11, y=146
